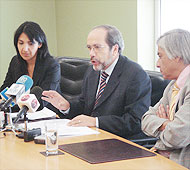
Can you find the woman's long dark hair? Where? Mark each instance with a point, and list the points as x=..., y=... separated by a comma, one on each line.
x=34, y=32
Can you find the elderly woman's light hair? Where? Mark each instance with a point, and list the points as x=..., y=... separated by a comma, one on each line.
x=114, y=37
x=176, y=43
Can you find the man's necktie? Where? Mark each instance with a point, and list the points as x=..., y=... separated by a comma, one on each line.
x=103, y=78
x=175, y=91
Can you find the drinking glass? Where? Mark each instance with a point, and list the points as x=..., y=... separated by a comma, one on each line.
x=51, y=138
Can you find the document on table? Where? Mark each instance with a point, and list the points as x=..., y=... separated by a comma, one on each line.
x=44, y=113
x=63, y=129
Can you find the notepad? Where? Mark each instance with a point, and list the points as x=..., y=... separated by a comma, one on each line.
x=107, y=150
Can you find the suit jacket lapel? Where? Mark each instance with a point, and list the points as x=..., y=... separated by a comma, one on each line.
x=38, y=71
x=112, y=83
x=92, y=87
x=19, y=70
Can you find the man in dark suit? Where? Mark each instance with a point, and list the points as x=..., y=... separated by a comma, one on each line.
x=115, y=100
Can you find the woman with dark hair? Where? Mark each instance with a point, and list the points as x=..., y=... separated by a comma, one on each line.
x=33, y=59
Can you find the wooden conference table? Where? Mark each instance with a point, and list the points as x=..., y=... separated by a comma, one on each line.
x=15, y=154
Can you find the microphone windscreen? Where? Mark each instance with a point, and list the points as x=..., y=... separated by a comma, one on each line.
x=30, y=100
x=37, y=91
x=26, y=81
x=5, y=97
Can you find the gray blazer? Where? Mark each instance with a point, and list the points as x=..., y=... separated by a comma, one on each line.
x=176, y=136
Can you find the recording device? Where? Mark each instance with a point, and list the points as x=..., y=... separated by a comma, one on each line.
x=29, y=102
x=39, y=139
x=31, y=134
x=22, y=85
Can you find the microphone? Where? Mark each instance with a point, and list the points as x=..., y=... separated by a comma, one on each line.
x=5, y=97
x=26, y=81
x=23, y=84
x=29, y=102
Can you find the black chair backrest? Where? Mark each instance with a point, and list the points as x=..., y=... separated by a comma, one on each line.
x=158, y=86
x=72, y=73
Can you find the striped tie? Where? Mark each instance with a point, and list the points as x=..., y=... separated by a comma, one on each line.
x=102, y=86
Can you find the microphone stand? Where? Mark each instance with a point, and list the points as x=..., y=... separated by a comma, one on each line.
x=25, y=122
x=23, y=132
x=8, y=124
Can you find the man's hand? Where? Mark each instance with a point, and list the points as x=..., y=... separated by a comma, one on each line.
x=162, y=113
x=56, y=100
x=83, y=120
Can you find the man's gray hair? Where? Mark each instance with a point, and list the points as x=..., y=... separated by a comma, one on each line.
x=176, y=43
x=114, y=36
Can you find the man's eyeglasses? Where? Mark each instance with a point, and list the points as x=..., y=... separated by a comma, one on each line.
x=95, y=47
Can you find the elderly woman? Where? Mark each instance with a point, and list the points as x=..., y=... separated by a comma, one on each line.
x=169, y=119
x=33, y=59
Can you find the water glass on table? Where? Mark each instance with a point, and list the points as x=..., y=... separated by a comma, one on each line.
x=51, y=138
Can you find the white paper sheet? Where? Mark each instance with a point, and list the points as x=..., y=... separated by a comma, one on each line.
x=63, y=129
x=44, y=113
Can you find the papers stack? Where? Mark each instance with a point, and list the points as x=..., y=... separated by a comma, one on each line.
x=63, y=129
x=42, y=114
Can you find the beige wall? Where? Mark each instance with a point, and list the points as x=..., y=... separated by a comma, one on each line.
x=76, y=18
x=66, y=24
x=15, y=12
